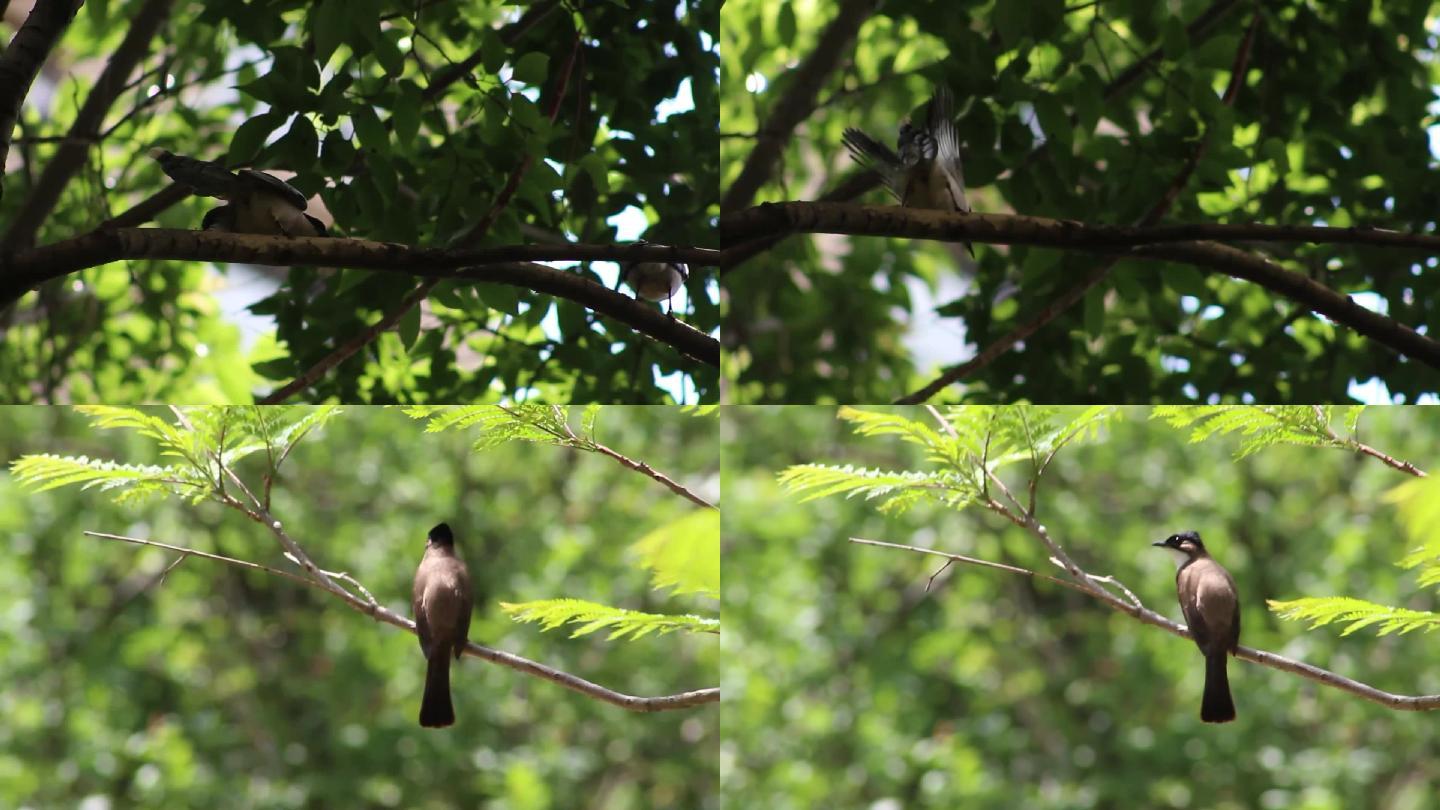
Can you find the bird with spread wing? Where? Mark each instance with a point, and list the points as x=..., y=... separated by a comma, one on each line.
x=258, y=202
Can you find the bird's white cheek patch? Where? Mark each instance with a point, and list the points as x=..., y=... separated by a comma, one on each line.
x=1179, y=557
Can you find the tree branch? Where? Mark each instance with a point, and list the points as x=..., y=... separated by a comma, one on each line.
x=376, y=611
x=784, y=218
x=21, y=62
x=646, y=469
x=1161, y=242
x=491, y=265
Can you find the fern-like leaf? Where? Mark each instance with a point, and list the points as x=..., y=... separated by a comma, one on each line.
x=1358, y=613
x=544, y=424
x=135, y=482
x=821, y=481
x=592, y=616
x=684, y=554
x=1262, y=425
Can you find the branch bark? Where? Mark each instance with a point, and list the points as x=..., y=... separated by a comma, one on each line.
x=1159, y=242
x=21, y=61
x=493, y=265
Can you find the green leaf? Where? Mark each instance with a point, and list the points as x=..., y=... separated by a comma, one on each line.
x=328, y=29
x=406, y=115
x=368, y=127
x=250, y=137
x=591, y=616
x=409, y=327
x=532, y=67
x=1357, y=614
x=685, y=554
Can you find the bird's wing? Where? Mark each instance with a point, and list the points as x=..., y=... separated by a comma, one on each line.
x=204, y=177
x=269, y=183
x=941, y=123
x=874, y=155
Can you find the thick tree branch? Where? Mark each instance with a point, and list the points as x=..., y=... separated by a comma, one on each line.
x=375, y=610
x=1160, y=242
x=769, y=219
x=790, y=109
x=20, y=62
x=1143, y=614
x=497, y=265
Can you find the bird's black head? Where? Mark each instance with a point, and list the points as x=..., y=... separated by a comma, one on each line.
x=1187, y=543
x=441, y=536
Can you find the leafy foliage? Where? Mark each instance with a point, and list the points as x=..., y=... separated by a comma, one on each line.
x=135, y=483
x=1416, y=502
x=408, y=121
x=209, y=436
x=974, y=443
x=1092, y=112
x=684, y=555
x=1264, y=426
x=545, y=424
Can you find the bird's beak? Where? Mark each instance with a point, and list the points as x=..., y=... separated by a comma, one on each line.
x=1160, y=543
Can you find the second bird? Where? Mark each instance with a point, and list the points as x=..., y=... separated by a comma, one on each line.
x=1212, y=610
x=926, y=173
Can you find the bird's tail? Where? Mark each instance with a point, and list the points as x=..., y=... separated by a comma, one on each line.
x=436, y=711
x=1216, y=705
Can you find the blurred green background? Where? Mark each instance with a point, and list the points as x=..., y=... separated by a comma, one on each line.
x=218, y=687
x=846, y=685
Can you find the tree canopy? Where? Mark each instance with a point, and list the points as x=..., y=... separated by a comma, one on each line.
x=425, y=134
x=1147, y=181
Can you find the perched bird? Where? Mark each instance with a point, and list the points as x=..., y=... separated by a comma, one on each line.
x=258, y=202
x=1212, y=611
x=442, y=602
x=655, y=281
x=926, y=173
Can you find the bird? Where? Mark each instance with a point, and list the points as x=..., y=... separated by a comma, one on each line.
x=926, y=173
x=655, y=281
x=442, y=600
x=259, y=202
x=1212, y=610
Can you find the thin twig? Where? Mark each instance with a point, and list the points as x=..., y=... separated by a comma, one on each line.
x=642, y=467
x=954, y=558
